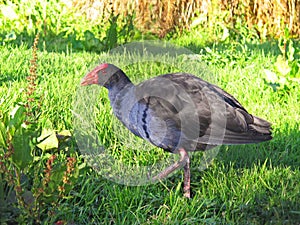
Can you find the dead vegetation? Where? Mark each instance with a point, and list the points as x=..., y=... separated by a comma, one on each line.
x=267, y=17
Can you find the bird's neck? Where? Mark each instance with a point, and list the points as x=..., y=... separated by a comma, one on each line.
x=117, y=83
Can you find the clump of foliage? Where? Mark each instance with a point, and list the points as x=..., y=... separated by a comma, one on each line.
x=33, y=174
x=61, y=27
x=285, y=75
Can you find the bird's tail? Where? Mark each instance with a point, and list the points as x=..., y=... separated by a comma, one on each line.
x=260, y=129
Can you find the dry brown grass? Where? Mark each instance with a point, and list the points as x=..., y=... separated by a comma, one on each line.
x=268, y=17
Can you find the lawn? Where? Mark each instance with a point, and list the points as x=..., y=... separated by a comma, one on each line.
x=245, y=184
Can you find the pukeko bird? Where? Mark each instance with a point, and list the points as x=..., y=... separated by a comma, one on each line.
x=179, y=113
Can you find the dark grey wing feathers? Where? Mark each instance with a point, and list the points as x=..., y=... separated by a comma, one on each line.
x=182, y=110
x=240, y=126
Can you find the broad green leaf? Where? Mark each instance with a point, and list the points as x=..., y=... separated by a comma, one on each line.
x=282, y=81
x=270, y=76
x=282, y=65
x=2, y=135
x=226, y=33
x=28, y=197
x=48, y=140
x=22, y=148
x=17, y=117
x=63, y=135
x=57, y=173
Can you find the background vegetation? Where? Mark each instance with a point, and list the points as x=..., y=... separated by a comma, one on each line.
x=267, y=18
x=47, y=46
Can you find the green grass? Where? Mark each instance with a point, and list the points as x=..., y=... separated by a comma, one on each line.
x=247, y=184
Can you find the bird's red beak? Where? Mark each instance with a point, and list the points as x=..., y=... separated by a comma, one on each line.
x=90, y=78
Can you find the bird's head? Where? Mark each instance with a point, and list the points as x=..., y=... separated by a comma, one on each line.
x=100, y=75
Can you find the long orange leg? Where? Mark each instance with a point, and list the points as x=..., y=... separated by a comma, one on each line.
x=184, y=162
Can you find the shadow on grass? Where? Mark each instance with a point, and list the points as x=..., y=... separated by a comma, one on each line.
x=233, y=50
x=7, y=77
x=256, y=184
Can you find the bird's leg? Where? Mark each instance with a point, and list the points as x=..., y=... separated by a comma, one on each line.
x=187, y=179
x=184, y=161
